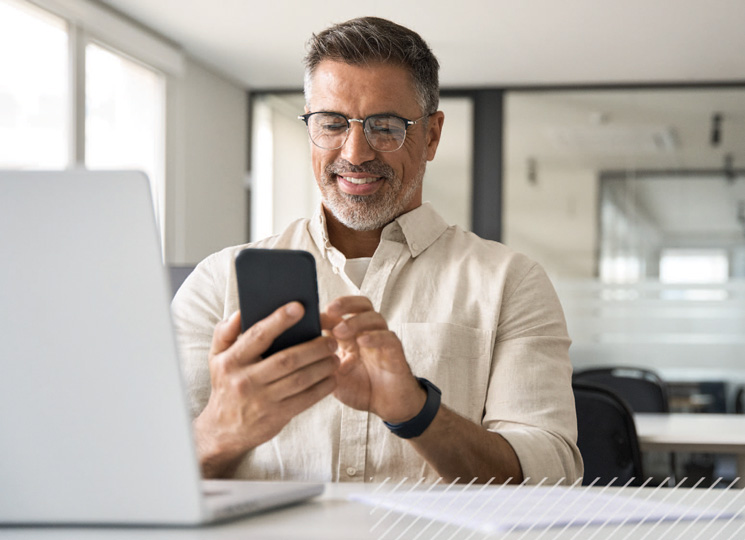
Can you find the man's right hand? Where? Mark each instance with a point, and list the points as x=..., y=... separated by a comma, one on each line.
x=252, y=398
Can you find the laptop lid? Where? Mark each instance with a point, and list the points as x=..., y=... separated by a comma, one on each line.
x=93, y=412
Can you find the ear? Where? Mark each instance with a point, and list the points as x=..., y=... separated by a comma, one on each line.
x=434, y=130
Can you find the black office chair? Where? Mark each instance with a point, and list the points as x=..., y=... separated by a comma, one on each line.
x=606, y=437
x=177, y=275
x=644, y=391
x=739, y=400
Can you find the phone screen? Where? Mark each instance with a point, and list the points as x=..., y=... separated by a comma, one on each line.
x=270, y=278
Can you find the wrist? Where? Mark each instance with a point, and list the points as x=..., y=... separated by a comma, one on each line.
x=216, y=460
x=416, y=425
x=409, y=407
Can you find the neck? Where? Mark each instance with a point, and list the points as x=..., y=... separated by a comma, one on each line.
x=353, y=244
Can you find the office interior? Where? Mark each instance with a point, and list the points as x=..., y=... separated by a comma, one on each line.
x=604, y=140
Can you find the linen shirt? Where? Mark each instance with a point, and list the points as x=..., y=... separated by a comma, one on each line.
x=480, y=321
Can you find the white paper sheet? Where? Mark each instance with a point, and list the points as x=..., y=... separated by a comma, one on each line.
x=505, y=508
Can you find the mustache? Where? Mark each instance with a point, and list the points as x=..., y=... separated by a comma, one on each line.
x=374, y=167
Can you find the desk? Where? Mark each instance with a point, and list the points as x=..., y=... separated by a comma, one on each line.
x=708, y=433
x=333, y=517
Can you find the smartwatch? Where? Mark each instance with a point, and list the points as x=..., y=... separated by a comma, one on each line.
x=417, y=425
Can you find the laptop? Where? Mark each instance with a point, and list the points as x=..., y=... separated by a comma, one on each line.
x=94, y=424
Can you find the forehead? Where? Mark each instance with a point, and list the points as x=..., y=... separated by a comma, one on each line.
x=362, y=90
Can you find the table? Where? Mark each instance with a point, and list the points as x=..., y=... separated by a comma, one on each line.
x=333, y=517
x=691, y=432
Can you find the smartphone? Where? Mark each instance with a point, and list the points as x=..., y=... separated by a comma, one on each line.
x=270, y=278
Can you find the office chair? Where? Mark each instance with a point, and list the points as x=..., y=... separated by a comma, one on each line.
x=177, y=275
x=643, y=390
x=606, y=437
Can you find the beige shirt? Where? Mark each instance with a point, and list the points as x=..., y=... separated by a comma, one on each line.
x=480, y=321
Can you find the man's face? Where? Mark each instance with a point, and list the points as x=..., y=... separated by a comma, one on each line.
x=361, y=188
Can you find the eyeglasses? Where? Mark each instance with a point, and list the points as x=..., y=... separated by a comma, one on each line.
x=384, y=132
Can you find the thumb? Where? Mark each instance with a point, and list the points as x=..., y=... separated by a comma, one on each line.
x=226, y=332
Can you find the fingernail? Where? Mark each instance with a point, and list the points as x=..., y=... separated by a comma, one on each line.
x=341, y=330
x=294, y=310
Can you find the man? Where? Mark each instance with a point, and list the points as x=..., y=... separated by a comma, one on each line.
x=412, y=307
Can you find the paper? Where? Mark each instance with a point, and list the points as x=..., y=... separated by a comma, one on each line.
x=505, y=508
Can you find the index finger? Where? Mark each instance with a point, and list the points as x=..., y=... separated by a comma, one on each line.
x=255, y=340
x=348, y=305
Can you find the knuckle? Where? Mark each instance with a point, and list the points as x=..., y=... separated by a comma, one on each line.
x=286, y=360
x=220, y=365
x=301, y=379
x=260, y=333
x=241, y=385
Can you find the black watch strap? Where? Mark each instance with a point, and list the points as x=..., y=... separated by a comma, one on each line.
x=417, y=425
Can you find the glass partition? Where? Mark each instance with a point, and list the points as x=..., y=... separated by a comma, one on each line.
x=634, y=202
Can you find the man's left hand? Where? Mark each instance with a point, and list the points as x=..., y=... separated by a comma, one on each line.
x=373, y=374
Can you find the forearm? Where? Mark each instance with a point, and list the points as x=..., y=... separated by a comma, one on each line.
x=457, y=448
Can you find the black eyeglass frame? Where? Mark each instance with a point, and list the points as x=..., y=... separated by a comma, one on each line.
x=407, y=124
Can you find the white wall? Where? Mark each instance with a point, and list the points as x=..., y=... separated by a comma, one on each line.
x=447, y=182
x=554, y=220
x=206, y=164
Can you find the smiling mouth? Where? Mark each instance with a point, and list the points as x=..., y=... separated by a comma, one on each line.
x=360, y=181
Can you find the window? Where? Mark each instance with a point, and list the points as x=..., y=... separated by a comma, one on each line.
x=42, y=125
x=694, y=266
x=34, y=111
x=124, y=118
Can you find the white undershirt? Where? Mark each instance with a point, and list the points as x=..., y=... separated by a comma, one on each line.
x=356, y=269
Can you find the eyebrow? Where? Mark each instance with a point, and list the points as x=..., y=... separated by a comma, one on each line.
x=385, y=113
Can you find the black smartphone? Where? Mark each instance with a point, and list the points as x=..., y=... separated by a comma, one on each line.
x=270, y=278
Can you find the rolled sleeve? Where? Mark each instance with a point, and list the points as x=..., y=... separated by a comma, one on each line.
x=530, y=400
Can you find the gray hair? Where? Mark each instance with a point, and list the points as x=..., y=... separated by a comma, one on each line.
x=370, y=40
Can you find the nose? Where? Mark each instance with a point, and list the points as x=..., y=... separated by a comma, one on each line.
x=356, y=150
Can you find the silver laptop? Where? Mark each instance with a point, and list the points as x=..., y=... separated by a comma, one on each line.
x=94, y=427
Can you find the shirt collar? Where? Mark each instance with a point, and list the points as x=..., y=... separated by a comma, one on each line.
x=418, y=229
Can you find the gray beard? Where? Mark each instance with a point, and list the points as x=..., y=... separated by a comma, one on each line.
x=368, y=212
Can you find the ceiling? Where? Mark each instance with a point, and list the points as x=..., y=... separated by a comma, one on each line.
x=478, y=42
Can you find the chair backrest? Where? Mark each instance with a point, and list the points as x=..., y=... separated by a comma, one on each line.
x=643, y=390
x=177, y=275
x=606, y=437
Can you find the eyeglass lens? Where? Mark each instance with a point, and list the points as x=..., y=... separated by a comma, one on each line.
x=384, y=133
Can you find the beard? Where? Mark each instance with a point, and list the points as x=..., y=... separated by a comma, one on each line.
x=369, y=212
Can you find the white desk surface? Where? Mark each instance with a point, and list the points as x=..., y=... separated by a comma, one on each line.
x=716, y=433
x=333, y=517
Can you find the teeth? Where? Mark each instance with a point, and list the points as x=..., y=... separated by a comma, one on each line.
x=360, y=181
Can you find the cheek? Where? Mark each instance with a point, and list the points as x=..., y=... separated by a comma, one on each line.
x=411, y=162
x=318, y=161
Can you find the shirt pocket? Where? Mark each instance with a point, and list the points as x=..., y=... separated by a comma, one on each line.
x=455, y=358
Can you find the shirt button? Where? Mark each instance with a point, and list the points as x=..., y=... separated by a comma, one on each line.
x=351, y=471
